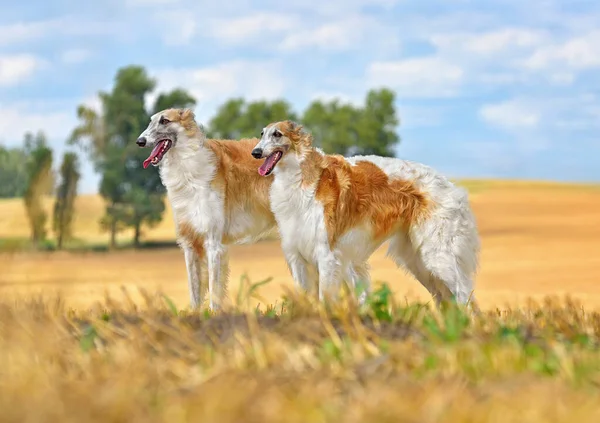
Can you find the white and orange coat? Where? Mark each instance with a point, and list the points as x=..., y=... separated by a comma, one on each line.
x=217, y=196
x=334, y=212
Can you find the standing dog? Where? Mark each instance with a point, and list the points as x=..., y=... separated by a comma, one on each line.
x=334, y=212
x=217, y=196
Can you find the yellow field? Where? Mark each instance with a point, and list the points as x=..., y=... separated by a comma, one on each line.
x=299, y=362
x=538, y=239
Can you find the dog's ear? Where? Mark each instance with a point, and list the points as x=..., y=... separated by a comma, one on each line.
x=186, y=114
x=294, y=126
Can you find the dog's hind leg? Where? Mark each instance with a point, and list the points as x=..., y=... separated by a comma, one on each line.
x=449, y=248
x=358, y=278
x=402, y=252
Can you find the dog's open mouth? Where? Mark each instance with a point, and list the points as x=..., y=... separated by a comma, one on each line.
x=270, y=162
x=158, y=153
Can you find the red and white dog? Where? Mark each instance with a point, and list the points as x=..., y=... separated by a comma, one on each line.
x=218, y=197
x=334, y=212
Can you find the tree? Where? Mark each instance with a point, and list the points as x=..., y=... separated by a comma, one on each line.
x=134, y=197
x=377, y=129
x=13, y=172
x=64, y=206
x=334, y=126
x=237, y=119
x=177, y=98
x=39, y=182
x=225, y=123
x=349, y=130
x=91, y=134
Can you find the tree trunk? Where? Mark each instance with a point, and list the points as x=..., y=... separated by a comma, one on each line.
x=137, y=235
x=113, y=234
x=59, y=241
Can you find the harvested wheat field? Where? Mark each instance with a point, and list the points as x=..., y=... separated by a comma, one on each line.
x=538, y=239
x=137, y=356
x=297, y=362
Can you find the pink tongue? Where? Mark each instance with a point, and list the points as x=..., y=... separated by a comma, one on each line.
x=153, y=154
x=268, y=164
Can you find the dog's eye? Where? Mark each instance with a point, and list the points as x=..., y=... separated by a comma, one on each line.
x=277, y=134
x=164, y=121
x=262, y=132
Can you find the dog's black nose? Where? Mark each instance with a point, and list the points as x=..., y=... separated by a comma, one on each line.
x=257, y=153
x=141, y=141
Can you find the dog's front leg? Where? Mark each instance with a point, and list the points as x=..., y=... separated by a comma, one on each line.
x=193, y=264
x=330, y=275
x=216, y=255
x=298, y=266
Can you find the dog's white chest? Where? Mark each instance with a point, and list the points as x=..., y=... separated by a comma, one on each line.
x=300, y=219
x=192, y=197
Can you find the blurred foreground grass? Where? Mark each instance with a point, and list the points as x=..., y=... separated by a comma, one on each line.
x=296, y=361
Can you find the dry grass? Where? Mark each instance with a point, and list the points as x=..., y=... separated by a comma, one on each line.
x=144, y=360
x=295, y=362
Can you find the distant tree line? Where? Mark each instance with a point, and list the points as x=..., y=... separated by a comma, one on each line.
x=135, y=198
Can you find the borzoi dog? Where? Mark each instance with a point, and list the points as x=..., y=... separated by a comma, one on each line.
x=217, y=196
x=334, y=212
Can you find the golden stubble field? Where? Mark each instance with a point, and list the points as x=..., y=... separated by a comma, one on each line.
x=150, y=361
x=538, y=240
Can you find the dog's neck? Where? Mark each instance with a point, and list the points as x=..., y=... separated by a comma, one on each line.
x=300, y=167
x=189, y=162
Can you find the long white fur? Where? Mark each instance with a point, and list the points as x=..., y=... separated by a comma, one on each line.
x=441, y=252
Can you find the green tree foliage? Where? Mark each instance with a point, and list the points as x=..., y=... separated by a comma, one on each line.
x=134, y=196
x=176, y=98
x=378, y=124
x=238, y=119
x=13, y=172
x=39, y=182
x=336, y=127
x=349, y=130
x=64, y=207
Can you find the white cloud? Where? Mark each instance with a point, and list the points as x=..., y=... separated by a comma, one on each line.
x=17, y=68
x=241, y=29
x=333, y=35
x=492, y=58
x=76, y=55
x=577, y=112
x=512, y=114
x=487, y=43
x=56, y=124
x=417, y=77
x=26, y=32
x=577, y=53
x=213, y=85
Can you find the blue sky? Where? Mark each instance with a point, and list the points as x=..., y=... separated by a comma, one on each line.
x=485, y=88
